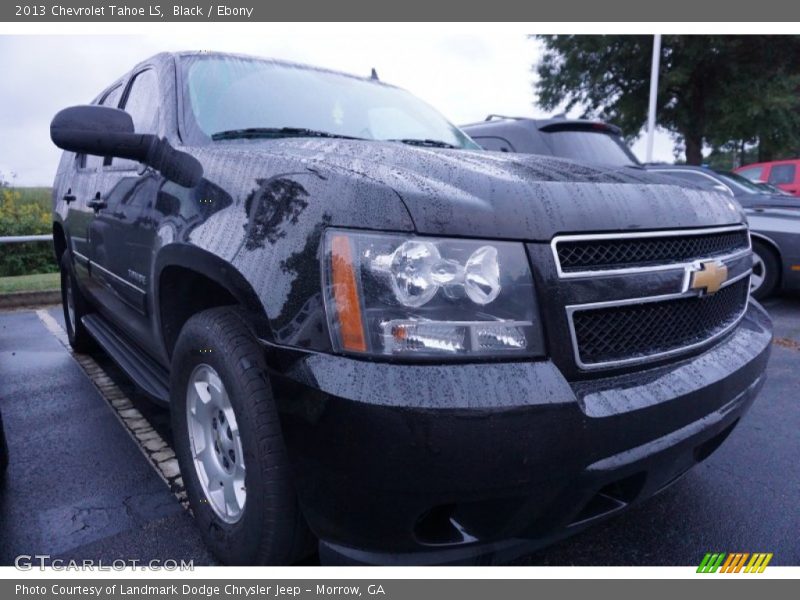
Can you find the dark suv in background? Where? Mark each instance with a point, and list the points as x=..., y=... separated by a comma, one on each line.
x=374, y=334
x=576, y=139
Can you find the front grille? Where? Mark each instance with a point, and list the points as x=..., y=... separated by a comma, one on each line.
x=606, y=253
x=639, y=331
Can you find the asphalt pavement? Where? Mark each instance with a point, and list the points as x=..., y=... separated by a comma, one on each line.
x=79, y=487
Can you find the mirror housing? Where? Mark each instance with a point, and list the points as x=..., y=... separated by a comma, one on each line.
x=105, y=131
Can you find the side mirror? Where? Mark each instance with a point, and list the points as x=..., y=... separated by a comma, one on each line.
x=105, y=131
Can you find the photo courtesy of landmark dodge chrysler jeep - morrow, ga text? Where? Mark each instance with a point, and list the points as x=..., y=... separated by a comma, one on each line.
x=379, y=340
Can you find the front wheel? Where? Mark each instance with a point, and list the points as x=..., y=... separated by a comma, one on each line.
x=229, y=444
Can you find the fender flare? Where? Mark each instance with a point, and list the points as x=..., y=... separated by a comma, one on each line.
x=218, y=270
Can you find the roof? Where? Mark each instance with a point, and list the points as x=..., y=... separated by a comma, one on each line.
x=545, y=124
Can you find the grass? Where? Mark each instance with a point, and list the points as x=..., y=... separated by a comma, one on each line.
x=36, y=195
x=30, y=283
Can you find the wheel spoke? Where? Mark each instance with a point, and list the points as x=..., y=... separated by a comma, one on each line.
x=203, y=391
x=230, y=423
x=201, y=450
x=240, y=491
x=216, y=494
x=231, y=501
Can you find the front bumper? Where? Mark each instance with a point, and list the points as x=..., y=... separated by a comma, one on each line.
x=425, y=464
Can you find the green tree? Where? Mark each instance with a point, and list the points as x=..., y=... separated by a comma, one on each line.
x=714, y=90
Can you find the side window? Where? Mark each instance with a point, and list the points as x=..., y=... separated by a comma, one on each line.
x=112, y=98
x=495, y=144
x=753, y=173
x=782, y=174
x=141, y=103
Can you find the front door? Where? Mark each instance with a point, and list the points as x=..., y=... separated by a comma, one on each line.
x=121, y=251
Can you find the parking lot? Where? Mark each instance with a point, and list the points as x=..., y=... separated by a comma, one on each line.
x=80, y=484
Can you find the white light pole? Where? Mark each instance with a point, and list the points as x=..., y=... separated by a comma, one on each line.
x=651, y=113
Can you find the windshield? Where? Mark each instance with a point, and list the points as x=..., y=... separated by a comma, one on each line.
x=742, y=184
x=226, y=94
x=589, y=146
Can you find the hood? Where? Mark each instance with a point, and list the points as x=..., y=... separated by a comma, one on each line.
x=512, y=196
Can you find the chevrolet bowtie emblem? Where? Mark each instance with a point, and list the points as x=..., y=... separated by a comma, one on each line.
x=708, y=276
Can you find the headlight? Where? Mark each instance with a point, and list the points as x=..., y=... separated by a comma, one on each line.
x=418, y=296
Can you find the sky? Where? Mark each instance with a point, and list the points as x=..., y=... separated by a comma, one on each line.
x=464, y=73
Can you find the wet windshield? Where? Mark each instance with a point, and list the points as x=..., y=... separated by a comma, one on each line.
x=233, y=97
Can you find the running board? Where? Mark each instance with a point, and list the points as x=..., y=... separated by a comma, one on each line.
x=152, y=378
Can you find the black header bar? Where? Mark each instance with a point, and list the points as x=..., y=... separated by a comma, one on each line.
x=709, y=11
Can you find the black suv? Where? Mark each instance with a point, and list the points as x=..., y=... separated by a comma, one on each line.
x=374, y=334
x=576, y=139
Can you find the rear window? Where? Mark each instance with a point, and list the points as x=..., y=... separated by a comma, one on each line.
x=589, y=146
x=781, y=174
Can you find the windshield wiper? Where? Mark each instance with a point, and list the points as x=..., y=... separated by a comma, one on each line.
x=276, y=132
x=425, y=142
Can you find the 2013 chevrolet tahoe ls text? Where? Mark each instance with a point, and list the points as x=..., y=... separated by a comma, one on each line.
x=374, y=335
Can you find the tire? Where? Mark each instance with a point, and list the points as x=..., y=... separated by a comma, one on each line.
x=766, y=271
x=75, y=308
x=260, y=522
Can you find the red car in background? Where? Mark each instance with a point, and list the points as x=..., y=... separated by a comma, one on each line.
x=784, y=174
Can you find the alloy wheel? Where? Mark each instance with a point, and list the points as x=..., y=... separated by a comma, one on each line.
x=216, y=445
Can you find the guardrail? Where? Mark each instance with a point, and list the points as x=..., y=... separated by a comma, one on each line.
x=21, y=239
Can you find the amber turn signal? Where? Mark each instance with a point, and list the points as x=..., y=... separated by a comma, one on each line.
x=345, y=295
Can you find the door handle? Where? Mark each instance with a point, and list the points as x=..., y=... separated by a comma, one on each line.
x=97, y=204
x=69, y=196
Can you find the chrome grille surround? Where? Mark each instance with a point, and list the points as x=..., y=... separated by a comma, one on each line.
x=684, y=293
x=645, y=235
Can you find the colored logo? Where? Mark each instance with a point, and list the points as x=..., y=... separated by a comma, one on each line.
x=735, y=562
x=708, y=276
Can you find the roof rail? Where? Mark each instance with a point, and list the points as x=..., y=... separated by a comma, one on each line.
x=495, y=116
